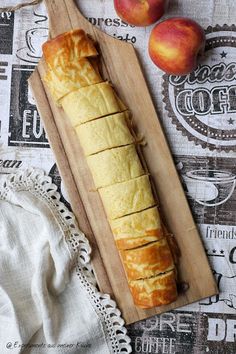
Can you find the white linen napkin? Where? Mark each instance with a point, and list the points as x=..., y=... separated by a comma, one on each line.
x=48, y=299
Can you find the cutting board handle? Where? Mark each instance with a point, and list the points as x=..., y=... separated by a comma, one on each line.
x=59, y=20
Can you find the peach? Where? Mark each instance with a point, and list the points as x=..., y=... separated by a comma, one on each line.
x=175, y=44
x=140, y=12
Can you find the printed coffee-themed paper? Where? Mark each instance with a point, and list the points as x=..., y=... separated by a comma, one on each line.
x=198, y=114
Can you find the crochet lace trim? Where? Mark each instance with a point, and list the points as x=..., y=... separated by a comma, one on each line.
x=39, y=184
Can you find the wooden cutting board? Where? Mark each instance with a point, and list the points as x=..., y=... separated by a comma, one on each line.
x=120, y=65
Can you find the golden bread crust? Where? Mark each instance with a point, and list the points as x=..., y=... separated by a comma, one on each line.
x=67, y=48
x=147, y=261
x=134, y=242
x=62, y=83
x=115, y=165
x=155, y=291
x=137, y=229
x=98, y=135
x=90, y=103
x=127, y=197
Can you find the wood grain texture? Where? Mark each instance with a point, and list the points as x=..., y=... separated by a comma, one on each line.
x=120, y=66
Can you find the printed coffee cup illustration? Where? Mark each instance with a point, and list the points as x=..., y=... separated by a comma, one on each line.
x=34, y=38
x=226, y=284
x=210, y=187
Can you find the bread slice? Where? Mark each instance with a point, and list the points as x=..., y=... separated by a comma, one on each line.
x=64, y=51
x=127, y=197
x=98, y=135
x=115, y=165
x=155, y=291
x=62, y=82
x=137, y=229
x=90, y=102
x=147, y=261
